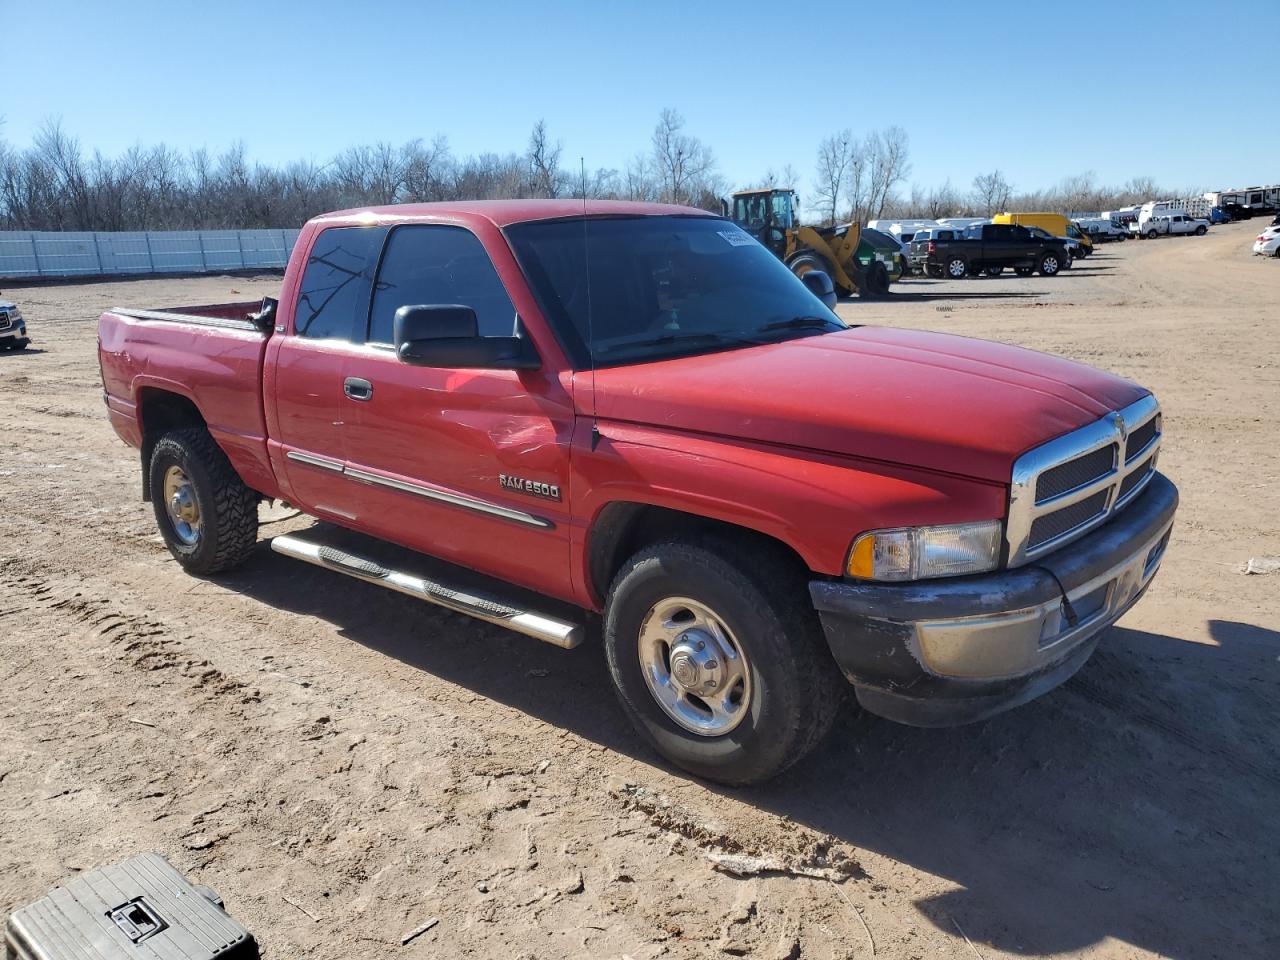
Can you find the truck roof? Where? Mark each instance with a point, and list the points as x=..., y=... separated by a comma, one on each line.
x=504, y=212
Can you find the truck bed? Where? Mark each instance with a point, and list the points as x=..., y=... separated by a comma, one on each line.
x=211, y=355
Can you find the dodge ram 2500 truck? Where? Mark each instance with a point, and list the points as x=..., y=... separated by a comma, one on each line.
x=637, y=411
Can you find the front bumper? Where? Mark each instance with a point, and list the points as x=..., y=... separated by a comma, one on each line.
x=946, y=652
x=17, y=331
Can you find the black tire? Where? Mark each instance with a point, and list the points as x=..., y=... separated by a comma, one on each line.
x=228, y=510
x=875, y=280
x=956, y=268
x=763, y=602
x=1152, y=234
x=806, y=260
x=1050, y=265
x=1201, y=230
x=1024, y=271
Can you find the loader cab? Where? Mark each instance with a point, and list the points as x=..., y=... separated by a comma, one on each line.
x=767, y=215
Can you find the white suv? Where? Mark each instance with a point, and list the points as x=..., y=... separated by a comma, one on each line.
x=1171, y=223
x=1268, y=242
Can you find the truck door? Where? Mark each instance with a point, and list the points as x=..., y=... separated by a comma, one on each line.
x=303, y=375
x=467, y=465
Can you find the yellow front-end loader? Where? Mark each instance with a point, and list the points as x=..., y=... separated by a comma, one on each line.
x=770, y=215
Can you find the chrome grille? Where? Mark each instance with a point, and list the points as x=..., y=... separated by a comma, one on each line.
x=1053, y=525
x=1076, y=473
x=5, y=320
x=1066, y=487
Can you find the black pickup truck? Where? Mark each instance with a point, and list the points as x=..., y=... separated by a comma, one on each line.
x=999, y=246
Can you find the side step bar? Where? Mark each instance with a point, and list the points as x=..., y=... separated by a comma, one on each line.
x=552, y=630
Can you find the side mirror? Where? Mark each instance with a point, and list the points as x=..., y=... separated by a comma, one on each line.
x=724, y=207
x=447, y=335
x=820, y=285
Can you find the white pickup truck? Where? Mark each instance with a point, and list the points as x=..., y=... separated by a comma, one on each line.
x=13, y=329
x=1169, y=224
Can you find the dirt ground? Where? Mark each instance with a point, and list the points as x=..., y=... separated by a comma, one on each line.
x=343, y=764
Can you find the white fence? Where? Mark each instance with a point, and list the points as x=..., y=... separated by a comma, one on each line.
x=26, y=253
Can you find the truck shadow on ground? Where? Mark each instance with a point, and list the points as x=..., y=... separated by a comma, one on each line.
x=1132, y=803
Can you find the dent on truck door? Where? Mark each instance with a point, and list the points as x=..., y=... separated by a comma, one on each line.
x=333, y=303
x=467, y=465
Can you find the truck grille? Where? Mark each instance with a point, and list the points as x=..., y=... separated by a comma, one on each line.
x=1068, y=486
x=5, y=320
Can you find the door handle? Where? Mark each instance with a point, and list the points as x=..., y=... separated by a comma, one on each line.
x=357, y=389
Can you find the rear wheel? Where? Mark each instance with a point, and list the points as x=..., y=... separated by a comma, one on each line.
x=206, y=515
x=720, y=664
x=956, y=268
x=1050, y=264
x=875, y=280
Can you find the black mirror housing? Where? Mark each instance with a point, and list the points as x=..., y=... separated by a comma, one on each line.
x=821, y=286
x=448, y=336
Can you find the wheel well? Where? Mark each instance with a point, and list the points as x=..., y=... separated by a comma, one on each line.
x=160, y=411
x=623, y=529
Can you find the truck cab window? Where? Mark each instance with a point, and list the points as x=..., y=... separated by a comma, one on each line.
x=333, y=300
x=439, y=265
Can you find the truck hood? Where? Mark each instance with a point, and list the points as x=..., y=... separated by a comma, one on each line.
x=908, y=397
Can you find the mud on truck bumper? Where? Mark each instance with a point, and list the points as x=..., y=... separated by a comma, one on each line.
x=937, y=653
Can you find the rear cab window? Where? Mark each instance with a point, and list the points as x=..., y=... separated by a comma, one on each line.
x=333, y=298
x=431, y=264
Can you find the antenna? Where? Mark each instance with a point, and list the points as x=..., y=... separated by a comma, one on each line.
x=591, y=338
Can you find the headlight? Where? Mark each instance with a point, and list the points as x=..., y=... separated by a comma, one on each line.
x=918, y=553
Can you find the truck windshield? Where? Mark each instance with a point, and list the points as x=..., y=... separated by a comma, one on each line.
x=661, y=287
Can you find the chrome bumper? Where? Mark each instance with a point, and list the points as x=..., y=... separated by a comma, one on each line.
x=934, y=653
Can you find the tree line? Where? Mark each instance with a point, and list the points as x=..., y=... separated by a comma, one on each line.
x=53, y=184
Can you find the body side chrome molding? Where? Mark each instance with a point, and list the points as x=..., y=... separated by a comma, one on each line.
x=455, y=499
x=324, y=463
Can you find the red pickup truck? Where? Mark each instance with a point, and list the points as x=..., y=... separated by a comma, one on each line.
x=636, y=411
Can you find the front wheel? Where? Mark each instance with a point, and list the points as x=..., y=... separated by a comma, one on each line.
x=206, y=515
x=720, y=664
x=1151, y=234
x=1201, y=230
x=1050, y=265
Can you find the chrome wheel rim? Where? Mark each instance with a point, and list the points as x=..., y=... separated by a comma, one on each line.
x=1050, y=264
x=181, y=505
x=694, y=667
x=956, y=267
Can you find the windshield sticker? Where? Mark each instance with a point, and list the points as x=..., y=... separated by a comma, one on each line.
x=736, y=237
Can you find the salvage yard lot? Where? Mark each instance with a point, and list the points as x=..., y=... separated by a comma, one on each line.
x=343, y=764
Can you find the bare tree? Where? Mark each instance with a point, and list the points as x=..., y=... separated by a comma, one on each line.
x=684, y=164
x=544, y=163
x=888, y=165
x=991, y=192
x=835, y=154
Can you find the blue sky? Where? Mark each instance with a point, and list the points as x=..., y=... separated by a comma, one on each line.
x=1040, y=91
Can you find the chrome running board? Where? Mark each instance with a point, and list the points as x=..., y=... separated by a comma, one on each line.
x=548, y=629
